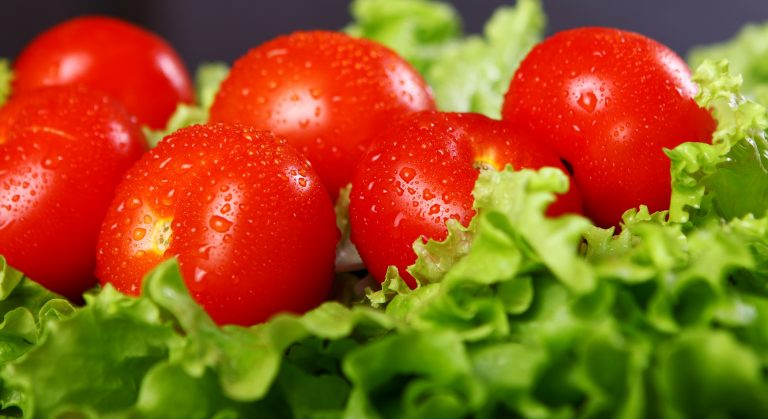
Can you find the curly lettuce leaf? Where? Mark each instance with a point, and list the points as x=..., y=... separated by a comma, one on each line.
x=208, y=78
x=747, y=53
x=140, y=356
x=418, y=30
x=473, y=75
x=466, y=73
x=727, y=178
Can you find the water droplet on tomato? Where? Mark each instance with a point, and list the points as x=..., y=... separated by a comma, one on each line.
x=427, y=195
x=302, y=182
x=434, y=209
x=587, y=101
x=200, y=274
x=220, y=224
x=205, y=251
x=133, y=203
x=407, y=174
x=139, y=233
x=15, y=198
x=226, y=208
x=52, y=161
x=398, y=219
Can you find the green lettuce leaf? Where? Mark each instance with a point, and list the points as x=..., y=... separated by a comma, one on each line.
x=6, y=77
x=418, y=30
x=473, y=75
x=747, y=53
x=727, y=178
x=466, y=73
x=207, y=81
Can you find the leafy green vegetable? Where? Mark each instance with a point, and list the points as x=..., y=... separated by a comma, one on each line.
x=748, y=54
x=728, y=178
x=207, y=81
x=515, y=315
x=6, y=77
x=466, y=74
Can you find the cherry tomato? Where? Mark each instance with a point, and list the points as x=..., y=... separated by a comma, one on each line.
x=245, y=214
x=328, y=93
x=420, y=172
x=609, y=102
x=63, y=151
x=133, y=65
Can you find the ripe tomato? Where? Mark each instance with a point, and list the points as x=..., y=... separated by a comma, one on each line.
x=328, y=93
x=609, y=102
x=63, y=151
x=133, y=65
x=252, y=226
x=420, y=172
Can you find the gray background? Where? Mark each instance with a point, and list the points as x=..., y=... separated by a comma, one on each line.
x=225, y=29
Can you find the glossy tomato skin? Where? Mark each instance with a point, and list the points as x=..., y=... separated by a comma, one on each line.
x=63, y=150
x=252, y=226
x=420, y=172
x=327, y=92
x=609, y=102
x=133, y=65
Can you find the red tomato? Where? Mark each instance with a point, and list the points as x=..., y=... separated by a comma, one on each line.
x=252, y=226
x=609, y=102
x=63, y=151
x=328, y=93
x=133, y=65
x=420, y=173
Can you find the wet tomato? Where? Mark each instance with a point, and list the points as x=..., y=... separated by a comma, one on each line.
x=420, y=172
x=252, y=227
x=609, y=102
x=327, y=92
x=133, y=65
x=63, y=151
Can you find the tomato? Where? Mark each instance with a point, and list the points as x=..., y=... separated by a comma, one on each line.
x=420, y=172
x=609, y=102
x=327, y=92
x=253, y=228
x=133, y=65
x=63, y=151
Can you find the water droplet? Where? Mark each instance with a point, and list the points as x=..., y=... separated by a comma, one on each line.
x=407, y=174
x=15, y=198
x=427, y=195
x=398, y=219
x=226, y=208
x=220, y=224
x=52, y=161
x=587, y=101
x=205, y=251
x=139, y=233
x=303, y=182
x=200, y=274
x=434, y=209
x=147, y=219
x=133, y=203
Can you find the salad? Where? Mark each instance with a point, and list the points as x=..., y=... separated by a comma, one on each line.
x=515, y=313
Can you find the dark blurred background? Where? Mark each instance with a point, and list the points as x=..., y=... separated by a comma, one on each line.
x=224, y=29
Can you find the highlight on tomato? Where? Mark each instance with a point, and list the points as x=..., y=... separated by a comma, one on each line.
x=245, y=214
x=63, y=150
